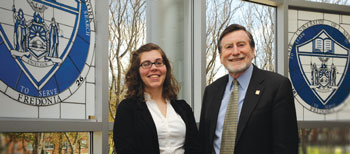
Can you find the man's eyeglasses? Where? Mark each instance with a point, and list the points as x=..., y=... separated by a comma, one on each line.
x=148, y=64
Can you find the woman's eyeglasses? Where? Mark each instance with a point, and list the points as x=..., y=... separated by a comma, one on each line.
x=148, y=64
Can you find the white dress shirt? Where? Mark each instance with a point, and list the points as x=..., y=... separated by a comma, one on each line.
x=171, y=130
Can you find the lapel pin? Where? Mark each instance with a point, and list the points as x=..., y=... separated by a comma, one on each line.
x=257, y=92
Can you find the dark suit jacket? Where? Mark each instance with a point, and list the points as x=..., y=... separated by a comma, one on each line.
x=267, y=124
x=135, y=131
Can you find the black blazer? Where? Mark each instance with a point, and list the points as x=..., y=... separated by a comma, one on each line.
x=267, y=123
x=135, y=131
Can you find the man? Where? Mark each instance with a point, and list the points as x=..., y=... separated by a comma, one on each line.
x=266, y=113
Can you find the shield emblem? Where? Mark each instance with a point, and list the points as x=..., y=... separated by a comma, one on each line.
x=45, y=53
x=37, y=39
x=325, y=57
x=318, y=64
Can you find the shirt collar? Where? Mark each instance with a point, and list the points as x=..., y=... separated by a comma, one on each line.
x=149, y=99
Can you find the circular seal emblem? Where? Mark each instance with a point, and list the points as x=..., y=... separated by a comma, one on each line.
x=46, y=50
x=319, y=66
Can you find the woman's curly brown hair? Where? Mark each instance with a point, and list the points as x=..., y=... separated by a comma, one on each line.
x=134, y=82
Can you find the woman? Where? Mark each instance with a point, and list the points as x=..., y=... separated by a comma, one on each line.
x=151, y=120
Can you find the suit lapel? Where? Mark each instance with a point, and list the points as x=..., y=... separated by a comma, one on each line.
x=215, y=103
x=179, y=110
x=251, y=99
x=148, y=121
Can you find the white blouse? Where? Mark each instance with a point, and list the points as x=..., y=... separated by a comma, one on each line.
x=171, y=129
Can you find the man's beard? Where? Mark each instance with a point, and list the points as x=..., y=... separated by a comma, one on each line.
x=242, y=68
